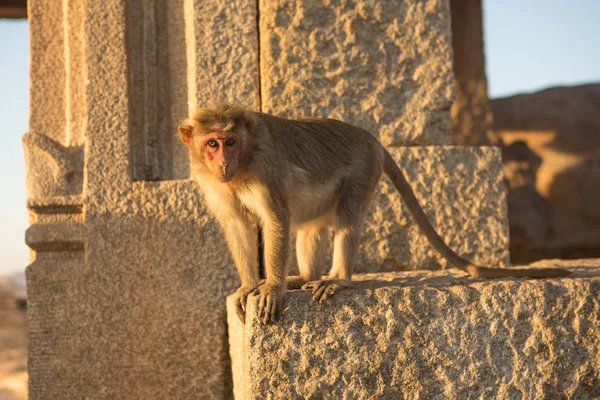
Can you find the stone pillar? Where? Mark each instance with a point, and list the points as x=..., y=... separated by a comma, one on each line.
x=471, y=115
x=129, y=275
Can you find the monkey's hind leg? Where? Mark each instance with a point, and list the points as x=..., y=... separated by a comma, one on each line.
x=344, y=250
x=326, y=288
x=310, y=250
x=350, y=215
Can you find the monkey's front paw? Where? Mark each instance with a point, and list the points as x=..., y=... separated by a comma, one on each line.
x=325, y=288
x=240, y=299
x=270, y=302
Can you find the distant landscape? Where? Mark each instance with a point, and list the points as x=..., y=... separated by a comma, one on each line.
x=13, y=338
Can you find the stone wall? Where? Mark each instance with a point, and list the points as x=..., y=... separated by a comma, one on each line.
x=129, y=272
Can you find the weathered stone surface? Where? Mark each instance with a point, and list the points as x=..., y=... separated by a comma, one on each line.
x=223, y=48
x=471, y=116
x=462, y=192
x=47, y=66
x=144, y=316
x=52, y=169
x=427, y=335
x=53, y=146
x=561, y=126
x=384, y=66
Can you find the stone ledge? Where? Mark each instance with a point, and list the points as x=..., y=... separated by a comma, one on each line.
x=56, y=237
x=428, y=334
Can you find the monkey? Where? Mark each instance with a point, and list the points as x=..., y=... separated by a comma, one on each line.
x=304, y=176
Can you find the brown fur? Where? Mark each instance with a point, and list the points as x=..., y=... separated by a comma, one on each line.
x=304, y=176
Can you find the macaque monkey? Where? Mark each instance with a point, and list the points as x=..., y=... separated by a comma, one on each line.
x=298, y=175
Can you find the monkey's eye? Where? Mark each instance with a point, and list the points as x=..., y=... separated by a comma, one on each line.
x=212, y=143
x=229, y=142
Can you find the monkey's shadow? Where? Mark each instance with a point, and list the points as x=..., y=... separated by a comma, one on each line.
x=448, y=278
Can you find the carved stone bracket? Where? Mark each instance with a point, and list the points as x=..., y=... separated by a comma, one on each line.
x=52, y=169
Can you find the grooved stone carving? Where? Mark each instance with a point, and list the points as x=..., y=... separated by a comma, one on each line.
x=52, y=169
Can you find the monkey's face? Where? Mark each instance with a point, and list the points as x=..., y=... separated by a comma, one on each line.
x=217, y=143
x=221, y=152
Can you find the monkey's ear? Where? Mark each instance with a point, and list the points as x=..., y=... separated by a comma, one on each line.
x=250, y=123
x=185, y=133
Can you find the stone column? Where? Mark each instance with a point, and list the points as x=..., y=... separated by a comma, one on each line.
x=128, y=284
x=471, y=115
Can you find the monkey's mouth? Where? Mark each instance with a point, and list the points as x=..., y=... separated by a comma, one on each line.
x=224, y=173
x=224, y=177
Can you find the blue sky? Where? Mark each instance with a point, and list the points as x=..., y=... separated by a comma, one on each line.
x=529, y=44
x=14, y=93
x=534, y=44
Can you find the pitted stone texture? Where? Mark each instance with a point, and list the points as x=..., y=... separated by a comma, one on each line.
x=385, y=66
x=427, y=335
x=462, y=192
x=222, y=53
x=57, y=78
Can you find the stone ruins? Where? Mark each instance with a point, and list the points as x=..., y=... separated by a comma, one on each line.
x=129, y=273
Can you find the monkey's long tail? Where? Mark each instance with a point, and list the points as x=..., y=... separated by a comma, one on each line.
x=393, y=171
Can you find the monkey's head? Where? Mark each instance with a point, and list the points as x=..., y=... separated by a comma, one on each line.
x=218, y=137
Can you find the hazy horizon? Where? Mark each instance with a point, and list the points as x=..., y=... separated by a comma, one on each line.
x=529, y=46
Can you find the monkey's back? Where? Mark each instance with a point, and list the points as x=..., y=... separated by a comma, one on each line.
x=311, y=144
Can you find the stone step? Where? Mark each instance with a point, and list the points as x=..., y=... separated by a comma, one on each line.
x=425, y=334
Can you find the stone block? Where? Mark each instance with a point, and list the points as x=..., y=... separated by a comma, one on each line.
x=427, y=335
x=385, y=66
